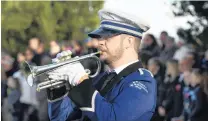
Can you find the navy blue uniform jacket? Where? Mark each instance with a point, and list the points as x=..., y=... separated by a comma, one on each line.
x=132, y=98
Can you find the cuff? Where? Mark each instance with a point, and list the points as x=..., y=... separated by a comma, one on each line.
x=84, y=95
x=56, y=94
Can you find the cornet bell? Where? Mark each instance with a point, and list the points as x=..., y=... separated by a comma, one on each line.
x=29, y=72
x=30, y=80
x=34, y=71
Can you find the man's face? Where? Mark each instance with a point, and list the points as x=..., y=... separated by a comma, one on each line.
x=112, y=48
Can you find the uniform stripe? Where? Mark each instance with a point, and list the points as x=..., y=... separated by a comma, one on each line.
x=140, y=71
x=122, y=25
x=148, y=71
x=57, y=99
x=138, y=34
x=92, y=109
x=117, y=22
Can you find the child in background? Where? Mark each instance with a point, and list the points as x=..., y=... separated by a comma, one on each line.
x=198, y=99
x=14, y=94
x=171, y=99
x=186, y=95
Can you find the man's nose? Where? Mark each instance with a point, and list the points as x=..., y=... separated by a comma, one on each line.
x=101, y=42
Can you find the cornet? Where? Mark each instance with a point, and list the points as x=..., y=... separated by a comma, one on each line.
x=32, y=72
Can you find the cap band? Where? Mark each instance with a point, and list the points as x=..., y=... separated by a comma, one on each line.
x=122, y=27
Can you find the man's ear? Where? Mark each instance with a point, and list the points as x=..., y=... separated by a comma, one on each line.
x=130, y=41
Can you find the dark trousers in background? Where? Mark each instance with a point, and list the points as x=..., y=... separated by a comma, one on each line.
x=29, y=112
x=156, y=116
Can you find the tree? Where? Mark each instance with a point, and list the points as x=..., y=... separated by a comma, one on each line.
x=197, y=34
x=49, y=20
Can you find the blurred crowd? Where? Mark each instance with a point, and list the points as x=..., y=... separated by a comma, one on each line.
x=179, y=69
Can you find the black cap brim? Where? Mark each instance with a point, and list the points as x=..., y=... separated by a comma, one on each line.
x=102, y=32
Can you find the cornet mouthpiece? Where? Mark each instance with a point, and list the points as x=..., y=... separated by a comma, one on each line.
x=100, y=52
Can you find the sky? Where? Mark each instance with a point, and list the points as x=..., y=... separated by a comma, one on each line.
x=168, y=21
x=160, y=13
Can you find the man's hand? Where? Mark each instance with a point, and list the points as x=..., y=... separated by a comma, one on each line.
x=74, y=73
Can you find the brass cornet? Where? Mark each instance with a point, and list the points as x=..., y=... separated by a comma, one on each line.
x=32, y=72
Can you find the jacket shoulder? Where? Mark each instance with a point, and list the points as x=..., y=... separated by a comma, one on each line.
x=141, y=74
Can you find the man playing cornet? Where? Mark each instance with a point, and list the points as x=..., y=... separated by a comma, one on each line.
x=127, y=92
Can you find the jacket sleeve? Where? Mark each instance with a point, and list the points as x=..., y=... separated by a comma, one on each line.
x=136, y=101
x=60, y=106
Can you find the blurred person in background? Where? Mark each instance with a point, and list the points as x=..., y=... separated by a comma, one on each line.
x=163, y=39
x=29, y=55
x=20, y=57
x=42, y=95
x=40, y=53
x=28, y=93
x=95, y=43
x=171, y=98
x=185, y=65
x=169, y=50
x=8, y=63
x=182, y=51
x=14, y=93
x=37, y=48
x=54, y=49
x=205, y=82
x=194, y=59
x=145, y=56
x=65, y=46
x=28, y=97
x=3, y=85
x=34, y=44
x=198, y=99
x=150, y=45
x=20, y=60
x=77, y=48
x=205, y=61
x=186, y=100
x=158, y=71
x=4, y=102
x=90, y=46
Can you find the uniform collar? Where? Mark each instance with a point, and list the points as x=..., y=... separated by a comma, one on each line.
x=120, y=68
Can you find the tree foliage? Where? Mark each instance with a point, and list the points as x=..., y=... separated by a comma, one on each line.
x=48, y=20
x=197, y=34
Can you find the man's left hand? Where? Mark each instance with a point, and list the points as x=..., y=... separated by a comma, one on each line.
x=73, y=73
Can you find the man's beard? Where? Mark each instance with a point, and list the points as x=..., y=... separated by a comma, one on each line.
x=116, y=55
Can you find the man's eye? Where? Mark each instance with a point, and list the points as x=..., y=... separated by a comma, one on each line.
x=101, y=38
